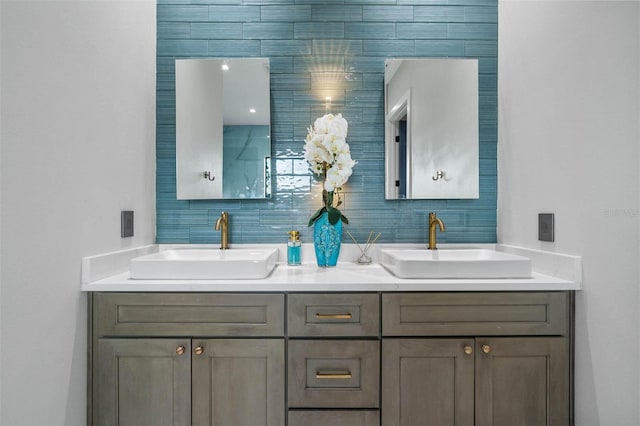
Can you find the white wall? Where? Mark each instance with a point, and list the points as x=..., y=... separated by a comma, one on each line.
x=1, y=137
x=569, y=108
x=78, y=146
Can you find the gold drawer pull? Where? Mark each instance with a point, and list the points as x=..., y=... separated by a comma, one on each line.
x=342, y=375
x=334, y=316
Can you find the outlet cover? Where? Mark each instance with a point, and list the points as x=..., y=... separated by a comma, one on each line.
x=126, y=223
x=545, y=227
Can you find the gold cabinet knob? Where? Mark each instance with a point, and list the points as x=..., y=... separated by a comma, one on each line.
x=199, y=350
x=486, y=349
x=468, y=349
x=180, y=350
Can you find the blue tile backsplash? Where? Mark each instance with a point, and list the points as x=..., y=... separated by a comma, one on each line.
x=326, y=48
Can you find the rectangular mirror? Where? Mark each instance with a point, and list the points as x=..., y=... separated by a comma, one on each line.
x=431, y=128
x=223, y=136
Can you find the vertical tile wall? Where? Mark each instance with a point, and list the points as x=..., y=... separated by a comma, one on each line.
x=326, y=48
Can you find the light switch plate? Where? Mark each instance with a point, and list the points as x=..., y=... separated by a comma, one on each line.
x=545, y=227
x=126, y=223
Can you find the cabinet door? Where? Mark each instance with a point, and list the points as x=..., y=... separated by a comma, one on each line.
x=238, y=382
x=334, y=418
x=522, y=381
x=143, y=382
x=427, y=382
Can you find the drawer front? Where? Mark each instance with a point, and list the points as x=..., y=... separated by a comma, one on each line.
x=334, y=373
x=477, y=314
x=190, y=314
x=334, y=418
x=333, y=315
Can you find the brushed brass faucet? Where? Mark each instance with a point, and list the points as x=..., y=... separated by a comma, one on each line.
x=433, y=221
x=222, y=225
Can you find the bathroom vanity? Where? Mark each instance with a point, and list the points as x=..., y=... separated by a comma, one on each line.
x=377, y=351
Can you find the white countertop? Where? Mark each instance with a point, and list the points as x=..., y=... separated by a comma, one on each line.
x=551, y=271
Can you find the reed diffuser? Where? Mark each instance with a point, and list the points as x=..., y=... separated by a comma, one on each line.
x=365, y=259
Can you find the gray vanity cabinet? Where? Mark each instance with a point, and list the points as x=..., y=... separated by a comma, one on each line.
x=344, y=359
x=225, y=367
x=448, y=359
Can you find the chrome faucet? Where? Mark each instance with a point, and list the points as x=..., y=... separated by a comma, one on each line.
x=433, y=221
x=222, y=225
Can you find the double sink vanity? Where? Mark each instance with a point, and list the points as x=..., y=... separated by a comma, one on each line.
x=462, y=335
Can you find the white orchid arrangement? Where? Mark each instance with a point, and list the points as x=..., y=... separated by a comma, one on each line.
x=327, y=152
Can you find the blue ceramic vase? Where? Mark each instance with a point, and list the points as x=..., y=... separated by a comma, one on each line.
x=326, y=241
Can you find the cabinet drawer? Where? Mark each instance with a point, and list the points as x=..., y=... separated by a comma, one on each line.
x=334, y=418
x=333, y=315
x=334, y=373
x=478, y=314
x=188, y=314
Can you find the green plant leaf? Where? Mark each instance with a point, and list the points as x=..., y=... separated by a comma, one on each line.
x=334, y=215
x=316, y=215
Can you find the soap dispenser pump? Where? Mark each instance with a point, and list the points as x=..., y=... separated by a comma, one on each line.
x=294, y=248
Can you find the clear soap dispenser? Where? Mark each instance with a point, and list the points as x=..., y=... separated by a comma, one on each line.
x=293, y=248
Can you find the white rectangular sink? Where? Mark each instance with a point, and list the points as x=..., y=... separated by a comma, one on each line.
x=454, y=263
x=190, y=264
